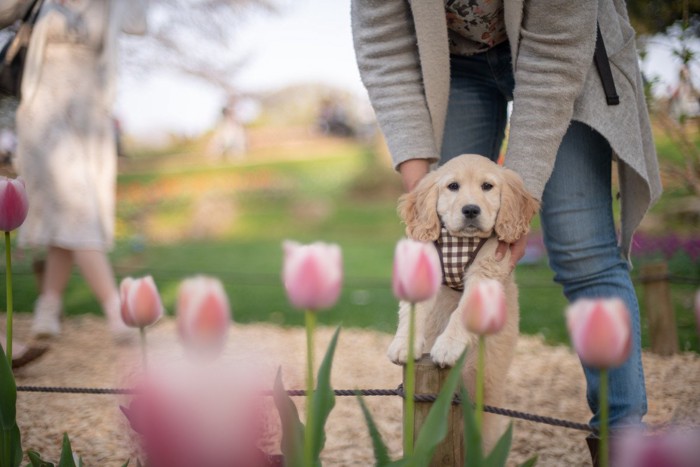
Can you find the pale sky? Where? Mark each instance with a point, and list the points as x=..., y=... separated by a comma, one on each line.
x=309, y=41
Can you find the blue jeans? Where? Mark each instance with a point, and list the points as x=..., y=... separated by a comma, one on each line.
x=576, y=213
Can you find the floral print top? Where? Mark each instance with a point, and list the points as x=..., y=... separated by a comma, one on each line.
x=474, y=26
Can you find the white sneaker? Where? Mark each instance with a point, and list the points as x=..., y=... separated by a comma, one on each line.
x=47, y=317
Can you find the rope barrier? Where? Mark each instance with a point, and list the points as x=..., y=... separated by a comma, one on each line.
x=341, y=392
x=269, y=280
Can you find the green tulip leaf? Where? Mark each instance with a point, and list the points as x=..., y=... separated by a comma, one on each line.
x=499, y=455
x=8, y=393
x=323, y=398
x=10, y=447
x=434, y=429
x=66, y=453
x=472, y=437
x=126, y=464
x=530, y=462
x=292, y=443
x=381, y=453
x=36, y=460
x=10, y=439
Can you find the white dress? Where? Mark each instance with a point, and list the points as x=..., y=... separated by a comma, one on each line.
x=66, y=142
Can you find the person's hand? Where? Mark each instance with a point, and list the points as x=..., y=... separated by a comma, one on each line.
x=412, y=171
x=517, y=250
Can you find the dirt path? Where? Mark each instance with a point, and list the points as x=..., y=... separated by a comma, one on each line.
x=544, y=380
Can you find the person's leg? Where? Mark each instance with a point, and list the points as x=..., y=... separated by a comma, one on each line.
x=95, y=267
x=581, y=240
x=97, y=271
x=47, y=309
x=480, y=88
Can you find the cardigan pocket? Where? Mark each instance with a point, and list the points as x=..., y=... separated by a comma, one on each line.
x=625, y=61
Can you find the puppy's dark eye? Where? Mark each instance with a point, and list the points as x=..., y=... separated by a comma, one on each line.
x=454, y=186
x=486, y=186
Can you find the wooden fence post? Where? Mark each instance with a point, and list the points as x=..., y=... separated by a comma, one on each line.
x=662, y=317
x=429, y=380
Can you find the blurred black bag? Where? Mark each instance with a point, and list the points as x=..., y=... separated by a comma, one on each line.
x=14, y=52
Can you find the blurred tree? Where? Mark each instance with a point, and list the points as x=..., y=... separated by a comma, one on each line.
x=650, y=17
x=678, y=114
x=195, y=37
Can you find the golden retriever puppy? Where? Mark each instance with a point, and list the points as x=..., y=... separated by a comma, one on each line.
x=471, y=200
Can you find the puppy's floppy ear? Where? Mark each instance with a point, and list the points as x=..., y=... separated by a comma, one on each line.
x=517, y=208
x=418, y=210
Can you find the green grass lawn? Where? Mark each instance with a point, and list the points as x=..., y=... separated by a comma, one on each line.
x=229, y=221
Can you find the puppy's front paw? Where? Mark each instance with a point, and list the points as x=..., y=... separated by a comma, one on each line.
x=447, y=350
x=398, y=349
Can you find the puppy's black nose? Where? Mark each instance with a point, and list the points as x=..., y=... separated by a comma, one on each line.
x=470, y=211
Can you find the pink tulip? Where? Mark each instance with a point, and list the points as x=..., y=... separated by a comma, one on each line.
x=635, y=448
x=484, y=307
x=600, y=331
x=140, y=302
x=312, y=275
x=200, y=416
x=417, y=272
x=203, y=314
x=13, y=203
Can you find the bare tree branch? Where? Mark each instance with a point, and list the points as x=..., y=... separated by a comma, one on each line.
x=195, y=38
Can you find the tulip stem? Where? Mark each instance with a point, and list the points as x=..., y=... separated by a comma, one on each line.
x=308, y=433
x=410, y=387
x=480, y=382
x=144, y=353
x=8, y=286
x=603, y=460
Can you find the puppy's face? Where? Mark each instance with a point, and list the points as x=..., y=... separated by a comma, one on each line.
x=469, y=196
x=472, y=197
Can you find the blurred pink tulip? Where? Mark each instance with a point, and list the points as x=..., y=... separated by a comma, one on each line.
x=312, y=275
x=675, y=448
x=203, y=314
x=140, y=302
x=417, y=271
x=200, y=416
x=600, y=331
x=13, y=203
x=484, y=307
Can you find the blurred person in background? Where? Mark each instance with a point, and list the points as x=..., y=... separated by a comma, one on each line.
x=66, y=151
x=229, y=142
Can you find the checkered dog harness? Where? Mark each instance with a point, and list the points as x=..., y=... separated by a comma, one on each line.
x=456, y=255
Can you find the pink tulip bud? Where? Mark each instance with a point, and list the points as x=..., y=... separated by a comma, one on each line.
x=484, y=307
x=417, y=272
x=140, y=302
x=203, y=315
x=600, y=331
x=13, y=203
x=312, y=275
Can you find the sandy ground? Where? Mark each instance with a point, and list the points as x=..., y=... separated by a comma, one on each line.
x=544, y=380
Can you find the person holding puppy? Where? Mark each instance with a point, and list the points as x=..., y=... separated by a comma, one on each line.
x=440, y=73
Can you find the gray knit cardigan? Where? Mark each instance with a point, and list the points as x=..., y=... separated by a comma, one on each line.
x=403, y=57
